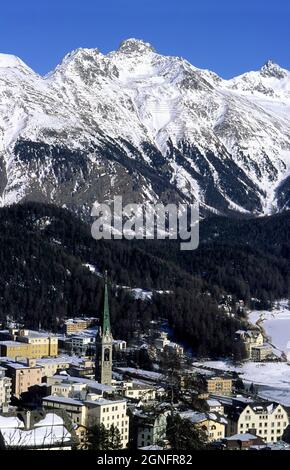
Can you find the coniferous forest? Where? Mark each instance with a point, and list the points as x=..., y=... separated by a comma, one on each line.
x=44, y=279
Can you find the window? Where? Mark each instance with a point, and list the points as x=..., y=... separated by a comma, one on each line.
x=107, y=355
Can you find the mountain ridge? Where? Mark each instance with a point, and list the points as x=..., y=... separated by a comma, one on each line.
x=145, y=126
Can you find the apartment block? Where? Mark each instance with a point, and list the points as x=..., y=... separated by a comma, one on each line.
x=28, y=343
x=266, y=420
x=75, y=325
x=5, y=387
x=93, y=410
x=219, y=385
x=22, y=375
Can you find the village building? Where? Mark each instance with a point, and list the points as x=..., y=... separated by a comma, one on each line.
x=251, y=339
x=219, y=385
x=266, y=420
x=242, y=441
x=213, y=424
x=261, y=353
x=90, y=385
x=82, y=345
x=137, y=391
x=93, y=410
x=162, y=343
x=148, y=428
x=27, y=343
x=5, y=388
x=215, y=406
x=52, y=365
x=83, y=369
x=76, y=325
x=119, y=345
x=22, y=374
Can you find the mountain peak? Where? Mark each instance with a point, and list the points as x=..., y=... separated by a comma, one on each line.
x=81, y=52
x=11, y=61
x=135, y=45
x=271, y=69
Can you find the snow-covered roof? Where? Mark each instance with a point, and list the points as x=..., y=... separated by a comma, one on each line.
x=11, y=343
x=103, y=401
x=93, y=384
x=66, y=400
x=153, y=447
x=199, y=417
x=13, y=364
x=212, y=402
x=241, y=437
x=141, y=372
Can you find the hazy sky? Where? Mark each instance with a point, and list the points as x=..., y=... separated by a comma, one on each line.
x=226, y=36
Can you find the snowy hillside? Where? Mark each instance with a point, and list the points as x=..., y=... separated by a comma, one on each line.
x=147, y=126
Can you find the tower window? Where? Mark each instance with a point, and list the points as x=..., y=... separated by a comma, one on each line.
x=107, y=354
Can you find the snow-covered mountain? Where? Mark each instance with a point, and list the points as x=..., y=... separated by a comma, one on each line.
x=147, y=126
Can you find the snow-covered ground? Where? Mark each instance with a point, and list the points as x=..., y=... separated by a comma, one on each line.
x=272, y=378
x=146, y=374
x=276, y=324
x=137, y=292
x=50, y=431
x=93, y=269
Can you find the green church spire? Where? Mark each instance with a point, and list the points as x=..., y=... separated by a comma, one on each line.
x=106, y=313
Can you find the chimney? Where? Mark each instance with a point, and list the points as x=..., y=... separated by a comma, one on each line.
x=27, y=419
x=30, y=362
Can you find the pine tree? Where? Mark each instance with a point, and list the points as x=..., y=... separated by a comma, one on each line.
x=98, y=437
x=184, y=435
x=114, y=438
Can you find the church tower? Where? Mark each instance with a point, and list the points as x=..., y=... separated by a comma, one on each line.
x=104, y=345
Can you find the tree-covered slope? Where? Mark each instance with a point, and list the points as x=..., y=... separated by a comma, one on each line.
x=44, y=279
